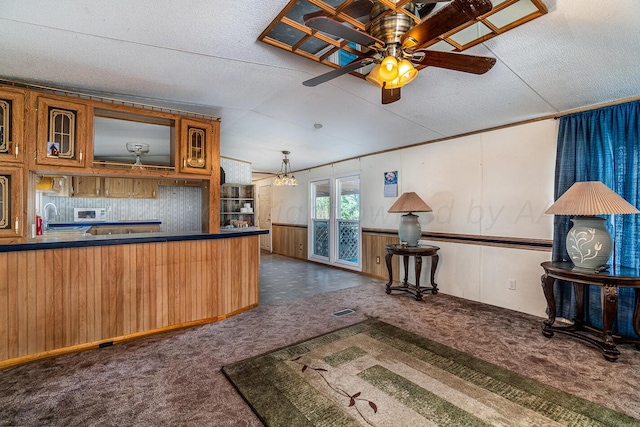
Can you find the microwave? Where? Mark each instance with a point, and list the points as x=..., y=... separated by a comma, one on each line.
x=89, y=214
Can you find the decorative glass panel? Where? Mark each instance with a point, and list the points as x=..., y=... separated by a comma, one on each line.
x=321, y=238
x=195, y=156
x=512, y=13
x=5, y=123
x=348, y=241
x=62, y=126
x=5, y=201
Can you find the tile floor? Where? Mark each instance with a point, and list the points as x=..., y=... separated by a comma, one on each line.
x=286, y=279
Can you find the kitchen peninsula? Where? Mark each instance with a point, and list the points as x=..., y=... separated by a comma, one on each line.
x=64, y=292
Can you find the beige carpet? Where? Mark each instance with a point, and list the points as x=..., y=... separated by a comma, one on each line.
x=175, y=378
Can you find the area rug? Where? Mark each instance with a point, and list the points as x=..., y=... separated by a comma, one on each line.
x=376, y=374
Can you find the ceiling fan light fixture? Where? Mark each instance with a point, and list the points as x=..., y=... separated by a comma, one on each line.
x=374, y=76
x=389, y=68
x=406, y=72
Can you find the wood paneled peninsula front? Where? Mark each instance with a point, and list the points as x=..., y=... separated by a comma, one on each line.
x=59, y=295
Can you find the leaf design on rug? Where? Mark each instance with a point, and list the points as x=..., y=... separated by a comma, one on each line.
x=353, y=399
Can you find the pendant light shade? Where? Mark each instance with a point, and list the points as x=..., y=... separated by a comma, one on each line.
x=389, y=68
x=285, y=177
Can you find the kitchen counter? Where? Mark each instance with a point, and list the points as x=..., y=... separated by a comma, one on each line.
x=81, y=239
x=74, y=292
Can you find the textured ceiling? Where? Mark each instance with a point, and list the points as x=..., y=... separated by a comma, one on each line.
x=204, y=56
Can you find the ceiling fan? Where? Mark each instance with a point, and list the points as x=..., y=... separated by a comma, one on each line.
x=396, y=43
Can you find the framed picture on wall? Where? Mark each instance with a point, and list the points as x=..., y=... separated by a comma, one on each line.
x=391, y=184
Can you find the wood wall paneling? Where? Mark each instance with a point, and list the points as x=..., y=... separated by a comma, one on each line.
x=290, y=240
x=57, y=299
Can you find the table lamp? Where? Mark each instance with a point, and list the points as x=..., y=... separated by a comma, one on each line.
x=588, y=241
x=409, y=230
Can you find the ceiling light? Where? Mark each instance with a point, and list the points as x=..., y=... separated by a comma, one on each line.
x=389, y=68
x=285, y=177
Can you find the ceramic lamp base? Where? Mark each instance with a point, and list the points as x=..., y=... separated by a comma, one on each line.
x=589, y=243
x=409, y=230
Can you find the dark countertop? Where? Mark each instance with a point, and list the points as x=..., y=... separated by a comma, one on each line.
x=78, y=240
x=110, y=223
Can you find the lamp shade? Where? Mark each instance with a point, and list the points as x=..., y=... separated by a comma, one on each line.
x=409, y=202
x=591, y=198
x=409, y=231
x=588, y=242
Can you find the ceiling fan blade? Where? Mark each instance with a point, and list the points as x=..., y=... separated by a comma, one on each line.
x=456, y=61
x=453, y=15
x=337, y=72
x=335, y=28
x=357, y=9
x=390, y=95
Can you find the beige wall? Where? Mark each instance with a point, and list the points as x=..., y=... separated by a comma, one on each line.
x=495, y=183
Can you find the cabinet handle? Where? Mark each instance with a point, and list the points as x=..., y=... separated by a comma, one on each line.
x=184, y=162
x=106, y=193
x=97, y=191
x=16, y=225
x=80, y=155
x=153, y=193
x=17, y=150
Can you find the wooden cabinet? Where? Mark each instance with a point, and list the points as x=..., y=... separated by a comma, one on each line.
x=236, y=205
x=145, y=189
x=116, y=188
x=11, y=212
x=101, y=230
x=196, y=142
x=62, y=132
x=11, y=125
x=86, y=186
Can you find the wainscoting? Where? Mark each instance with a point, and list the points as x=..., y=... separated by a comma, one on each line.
x=59, y=300
x=291, y=240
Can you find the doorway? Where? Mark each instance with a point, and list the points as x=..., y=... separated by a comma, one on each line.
x=334, y=229
x=264, y=216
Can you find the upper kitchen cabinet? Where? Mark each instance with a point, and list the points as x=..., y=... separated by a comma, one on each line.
x=62, y=133
x=197, y=139
x=11, y=201
x=11, y=125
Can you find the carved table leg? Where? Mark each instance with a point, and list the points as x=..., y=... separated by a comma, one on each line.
x=434, y=265
x=609, y=295
x=387, y=260
x=578, y=290
x=405, y=261
x=547, y=288
x=418, y=267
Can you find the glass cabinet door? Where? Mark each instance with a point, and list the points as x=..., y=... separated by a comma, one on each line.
x=10, y=201
x=62, y=133
x=11, y=125
x=196, y=141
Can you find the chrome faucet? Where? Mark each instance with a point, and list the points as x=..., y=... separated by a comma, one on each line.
x=46, y=215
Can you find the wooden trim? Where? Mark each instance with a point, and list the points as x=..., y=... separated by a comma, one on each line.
x=474, y=239
x=289, y=225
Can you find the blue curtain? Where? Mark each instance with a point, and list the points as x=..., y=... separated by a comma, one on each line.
x=601, y=145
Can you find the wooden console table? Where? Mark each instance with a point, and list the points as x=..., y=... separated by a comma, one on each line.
x=609, y=282
x=418, y=252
